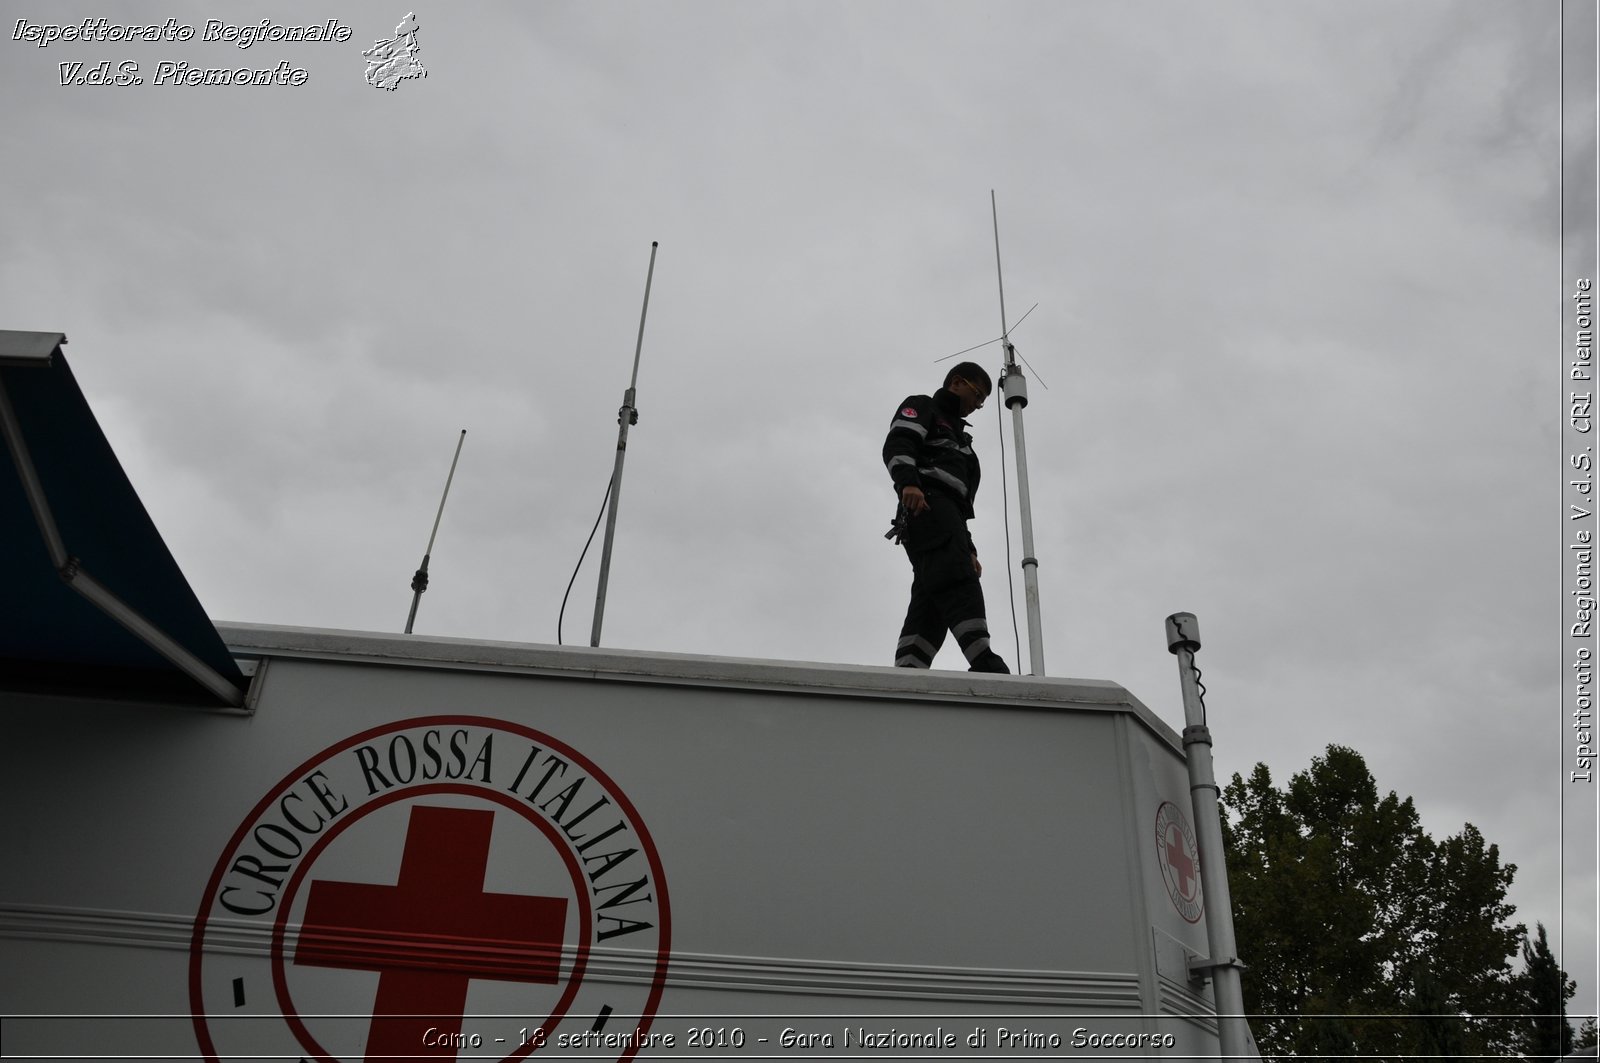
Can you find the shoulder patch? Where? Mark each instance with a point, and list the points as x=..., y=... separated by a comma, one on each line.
x=909, y=412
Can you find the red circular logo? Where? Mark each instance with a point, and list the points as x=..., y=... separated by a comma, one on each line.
x=1179, y=856
x=429, y=887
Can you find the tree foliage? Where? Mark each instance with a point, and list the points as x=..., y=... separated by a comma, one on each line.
x=1545, y=1035
x=1364, y=935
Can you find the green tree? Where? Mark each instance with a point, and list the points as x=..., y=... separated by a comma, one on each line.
x=1330, y=1041
x=1354, y=921
x=1439, y=1033
x=1544, y=990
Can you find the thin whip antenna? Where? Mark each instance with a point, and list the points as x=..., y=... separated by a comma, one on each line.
x=1005, y=333
x=1015, y=388
x=419, y=581
x=626, y=416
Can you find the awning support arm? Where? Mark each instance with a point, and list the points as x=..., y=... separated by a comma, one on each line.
x=72, y=573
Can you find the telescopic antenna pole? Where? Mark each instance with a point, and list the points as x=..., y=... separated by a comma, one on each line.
x=1015, y=389
x=1223, y=966
x=419, y=582
x=626, y=416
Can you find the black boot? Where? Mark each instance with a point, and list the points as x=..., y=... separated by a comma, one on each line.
x=989, y=661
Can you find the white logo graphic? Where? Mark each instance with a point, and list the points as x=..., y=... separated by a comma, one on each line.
x=391, y=62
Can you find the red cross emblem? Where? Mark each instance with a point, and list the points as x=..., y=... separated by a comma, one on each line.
x=1178, y=855
x=1180, y=861
x=432, y=932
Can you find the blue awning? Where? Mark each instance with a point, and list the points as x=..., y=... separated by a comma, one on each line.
x=91, y=601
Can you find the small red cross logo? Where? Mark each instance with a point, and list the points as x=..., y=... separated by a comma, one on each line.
x=1180, y=861
x=431, y=933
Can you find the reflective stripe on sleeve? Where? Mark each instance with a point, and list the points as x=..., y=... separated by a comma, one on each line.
x=900, y=422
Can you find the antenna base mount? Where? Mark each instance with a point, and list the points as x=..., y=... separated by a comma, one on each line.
x=1014, y=386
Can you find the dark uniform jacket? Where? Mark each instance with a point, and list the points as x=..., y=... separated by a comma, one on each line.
x=928, y=447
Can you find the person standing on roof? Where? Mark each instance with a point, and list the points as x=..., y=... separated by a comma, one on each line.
x=930, y=458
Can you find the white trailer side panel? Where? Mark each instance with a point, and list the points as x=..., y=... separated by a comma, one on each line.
x=533, y=844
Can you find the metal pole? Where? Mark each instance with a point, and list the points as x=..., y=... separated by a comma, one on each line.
x=1016, y=398
x=1183, y=639
x=626, y=416
x=419, y=581
x=1015, y=389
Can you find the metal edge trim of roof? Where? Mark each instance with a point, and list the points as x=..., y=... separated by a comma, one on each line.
x=29, y=348
x=676, y=669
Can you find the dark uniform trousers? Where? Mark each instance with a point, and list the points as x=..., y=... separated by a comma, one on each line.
x=945, y=592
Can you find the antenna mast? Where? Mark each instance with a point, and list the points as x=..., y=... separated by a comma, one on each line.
x=1015, y=389
x=419, y=582
x=626, y=416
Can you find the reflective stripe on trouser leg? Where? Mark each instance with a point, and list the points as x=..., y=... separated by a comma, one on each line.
x=923, y=631
x=914, y=651
x=973, y=638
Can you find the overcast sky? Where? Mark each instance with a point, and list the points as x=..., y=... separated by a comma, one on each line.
x=1300, y=314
